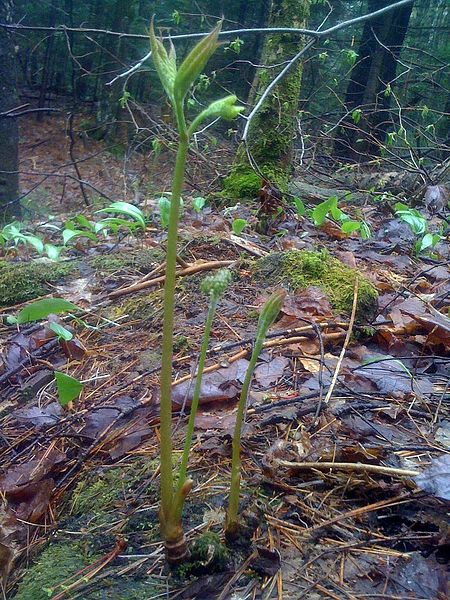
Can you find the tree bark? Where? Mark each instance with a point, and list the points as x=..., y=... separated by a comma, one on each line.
x=9, y=131
x=271, y=136
x=374, y=71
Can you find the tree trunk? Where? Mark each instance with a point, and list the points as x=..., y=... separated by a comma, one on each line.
x=271, y=135
x=368, y=89
x=9, y=132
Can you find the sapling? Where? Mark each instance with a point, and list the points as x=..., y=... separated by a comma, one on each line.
x=177, y=83
x=269, y=313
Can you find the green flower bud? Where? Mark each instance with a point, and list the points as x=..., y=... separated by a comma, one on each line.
x=165, y=64
x=216, y=284
x=225, y=108
x=194, y=63
x=270, y=310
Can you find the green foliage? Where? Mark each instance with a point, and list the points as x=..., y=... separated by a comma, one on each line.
x=137, y=218
x=299, y=206
x=68, y=388
x=419, y=226
x=329, y=208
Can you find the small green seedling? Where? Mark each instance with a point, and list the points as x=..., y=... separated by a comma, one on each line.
x=68, y=388
x=238, y=226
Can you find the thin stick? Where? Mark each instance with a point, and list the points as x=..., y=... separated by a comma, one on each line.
x=344, y=347
x=197, y=268
x=352, y=467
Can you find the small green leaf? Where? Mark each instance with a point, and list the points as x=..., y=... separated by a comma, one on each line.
x=299, y=206
x=53, y=252
x=40, y=309
x=164, y=211
x=125, y=208
x=356, y=115
x=320, y=213
x=350, y=226
x=165, y=64
x=62, y=333
x=238, y=226
x=68, y=388
x=198, y=203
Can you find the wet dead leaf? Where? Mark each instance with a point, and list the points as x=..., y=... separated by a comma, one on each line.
x=269, y=372
x=435, y=479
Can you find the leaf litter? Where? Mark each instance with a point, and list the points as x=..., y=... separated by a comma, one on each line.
x=358, y=524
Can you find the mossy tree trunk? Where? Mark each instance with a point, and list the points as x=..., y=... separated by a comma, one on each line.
x=272, y=133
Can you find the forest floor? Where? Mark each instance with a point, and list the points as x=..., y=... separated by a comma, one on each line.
x=371, y=395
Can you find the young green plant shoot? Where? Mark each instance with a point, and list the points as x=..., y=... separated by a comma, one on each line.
x=214, y=286
x=267, y=317
x=177, y=83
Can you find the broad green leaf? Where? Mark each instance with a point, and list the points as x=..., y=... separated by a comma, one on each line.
x=84, y=222
x=70, y=234
x=238, y=226
x=194, y=63
x=366, y=233
x=68, y=388
x=61, y=332
x=40, y=309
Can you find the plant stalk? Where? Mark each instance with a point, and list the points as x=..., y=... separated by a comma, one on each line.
x=168, y=527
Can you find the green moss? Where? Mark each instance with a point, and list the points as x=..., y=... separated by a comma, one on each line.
x=144, y=260
x=141, y=307
x=99, y=493
x=20, y=282
x=241, y=184
x=300, y=269
x=208, y=555
x=55, y=564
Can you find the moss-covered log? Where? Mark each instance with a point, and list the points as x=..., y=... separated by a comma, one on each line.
x=272, y=131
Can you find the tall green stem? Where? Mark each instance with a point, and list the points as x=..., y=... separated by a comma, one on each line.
x=233, y=502
x=167, y=487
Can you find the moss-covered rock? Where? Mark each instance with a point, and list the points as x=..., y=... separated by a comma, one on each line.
x=20, y=282
x=56, y=563
x=299, y=269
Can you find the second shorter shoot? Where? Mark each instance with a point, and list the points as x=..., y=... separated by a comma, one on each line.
x=269, y=313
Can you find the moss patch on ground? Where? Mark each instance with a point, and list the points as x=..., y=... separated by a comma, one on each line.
x=56, y=563
x=145, y=308
x=140, y=259
x=20, y=282
x=101, y=492
x=299, y=269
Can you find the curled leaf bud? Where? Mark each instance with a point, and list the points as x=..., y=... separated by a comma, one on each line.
x=194, y=63
x=216, y=284
x=270, y=311
x=165, y=64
